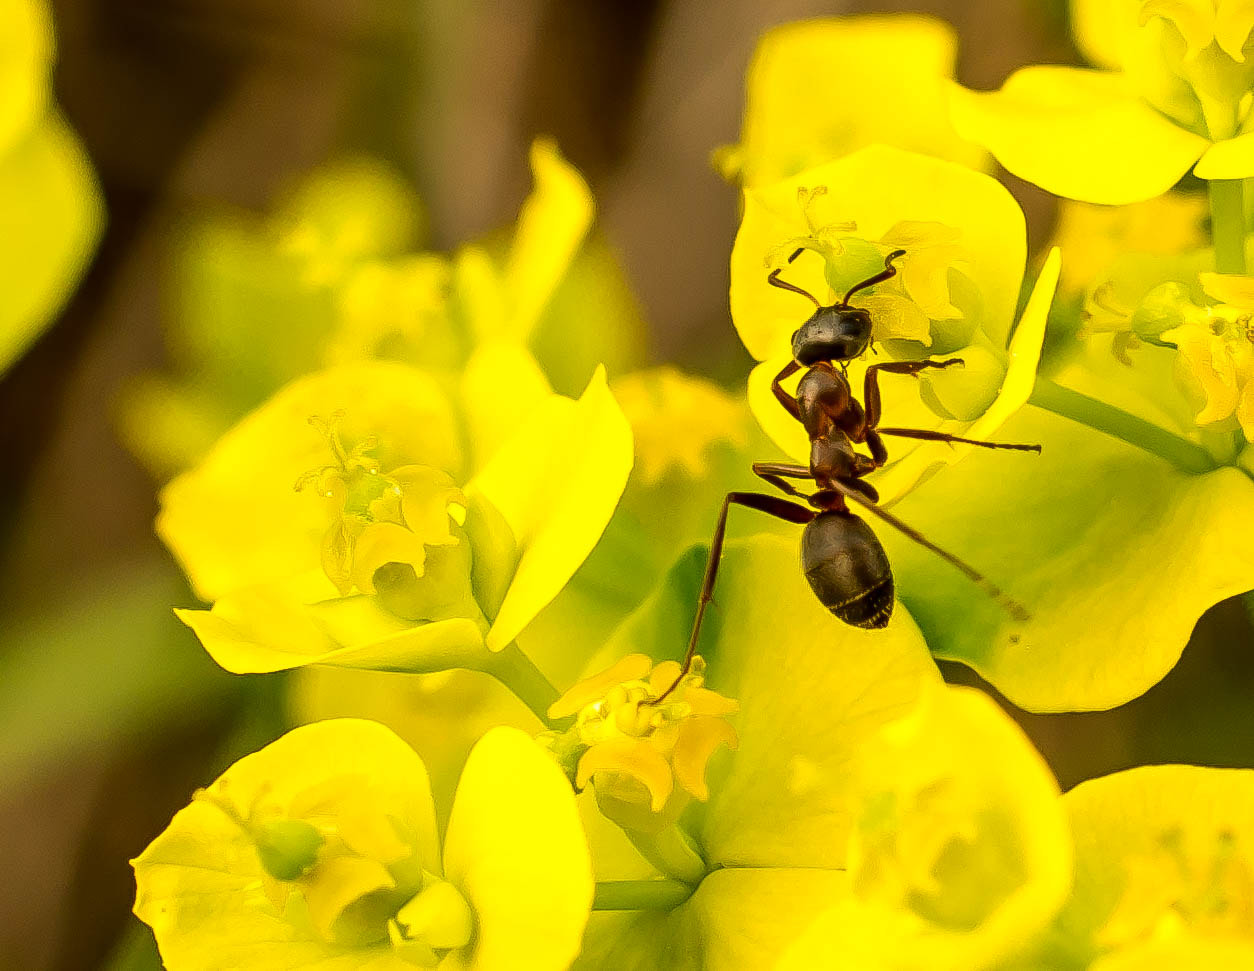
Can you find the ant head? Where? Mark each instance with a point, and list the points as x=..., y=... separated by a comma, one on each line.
x=838, y=333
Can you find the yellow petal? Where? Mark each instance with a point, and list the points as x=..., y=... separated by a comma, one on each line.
x=553, y=222
x=1103, y=30
x=1195, y=19
x=631, y=757
x=236, y=521
x=960, y=852
x=26, y=49
x=1233, y=20
x=796, y=117
x=334, y=886
x=1079, y=134
x=879, y=188
x=1232, y=158
x=500, y=379
x=897, y=318
x=52, y=219
x=556, y=481
x=381, y=543
x=1245, y=410
x=517, y=852
x=200, y=883
x=786, y=797
x=699, y=737
x=480, y=294
x=633, y=667
x=1162, y=851
x=1229, y=288
x=784, y=430
x=255, y=631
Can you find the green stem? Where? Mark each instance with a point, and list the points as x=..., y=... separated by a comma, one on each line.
x=516, y=671
x=1116, y=422
x=641, y=895
x=1227, y=221
x=672, y=852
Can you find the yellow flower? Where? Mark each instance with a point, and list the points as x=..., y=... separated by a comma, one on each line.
x=51, y=202
x=955, y=293
x=1215, y=358
x=659, y=403
x=321, y=850
x=803, y=105
x=1164, y=871
x=958, y=864
x=641, y=744
x=1173, y=90
x=395, y=566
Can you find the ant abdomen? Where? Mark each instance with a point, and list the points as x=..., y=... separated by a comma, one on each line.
x=848, y=569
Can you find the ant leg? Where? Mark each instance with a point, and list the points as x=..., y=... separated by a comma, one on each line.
x=773, y=506
x=1011, y=606
x=871, y=385
x=887, y=273
x=773, y=471
x=879, y=451
x=782, y=396
x=931, y=436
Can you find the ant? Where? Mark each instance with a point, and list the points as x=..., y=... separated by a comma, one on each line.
x=843, y=560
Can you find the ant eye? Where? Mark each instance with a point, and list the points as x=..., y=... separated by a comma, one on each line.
x=794, y=334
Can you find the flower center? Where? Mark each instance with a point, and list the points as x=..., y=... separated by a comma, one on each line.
x=1203, y=881
x=645, y=760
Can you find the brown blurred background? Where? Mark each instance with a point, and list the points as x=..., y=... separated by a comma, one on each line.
x=182, y=101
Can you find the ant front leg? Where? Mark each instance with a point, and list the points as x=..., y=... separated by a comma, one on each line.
x=782, y=396
x=772, y=505
x=871, y=386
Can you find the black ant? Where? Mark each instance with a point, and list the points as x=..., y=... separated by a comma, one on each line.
x=843, y=560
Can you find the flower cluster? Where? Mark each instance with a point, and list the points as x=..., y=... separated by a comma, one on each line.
x=789, y=791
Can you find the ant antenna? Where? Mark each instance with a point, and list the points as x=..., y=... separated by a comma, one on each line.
x=773, y=279
x=1016, y=610
x=887, y=273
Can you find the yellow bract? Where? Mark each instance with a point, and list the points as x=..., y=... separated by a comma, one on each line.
x=512, y=890
x=804, y=103
x=395, y=567
x=51, y=205
x=1174, y=91
x=1165, y=865
x=958, y=865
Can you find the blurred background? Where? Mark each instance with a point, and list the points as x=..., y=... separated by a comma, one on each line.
x=110, y=713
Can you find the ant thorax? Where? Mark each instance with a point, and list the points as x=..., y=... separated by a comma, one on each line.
x=823, y=394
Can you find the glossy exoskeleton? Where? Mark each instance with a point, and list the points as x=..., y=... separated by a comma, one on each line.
x=843, y=559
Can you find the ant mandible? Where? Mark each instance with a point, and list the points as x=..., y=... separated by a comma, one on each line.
x=843, y=560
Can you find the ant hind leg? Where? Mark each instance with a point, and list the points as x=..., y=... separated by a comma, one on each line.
x=771, y=505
